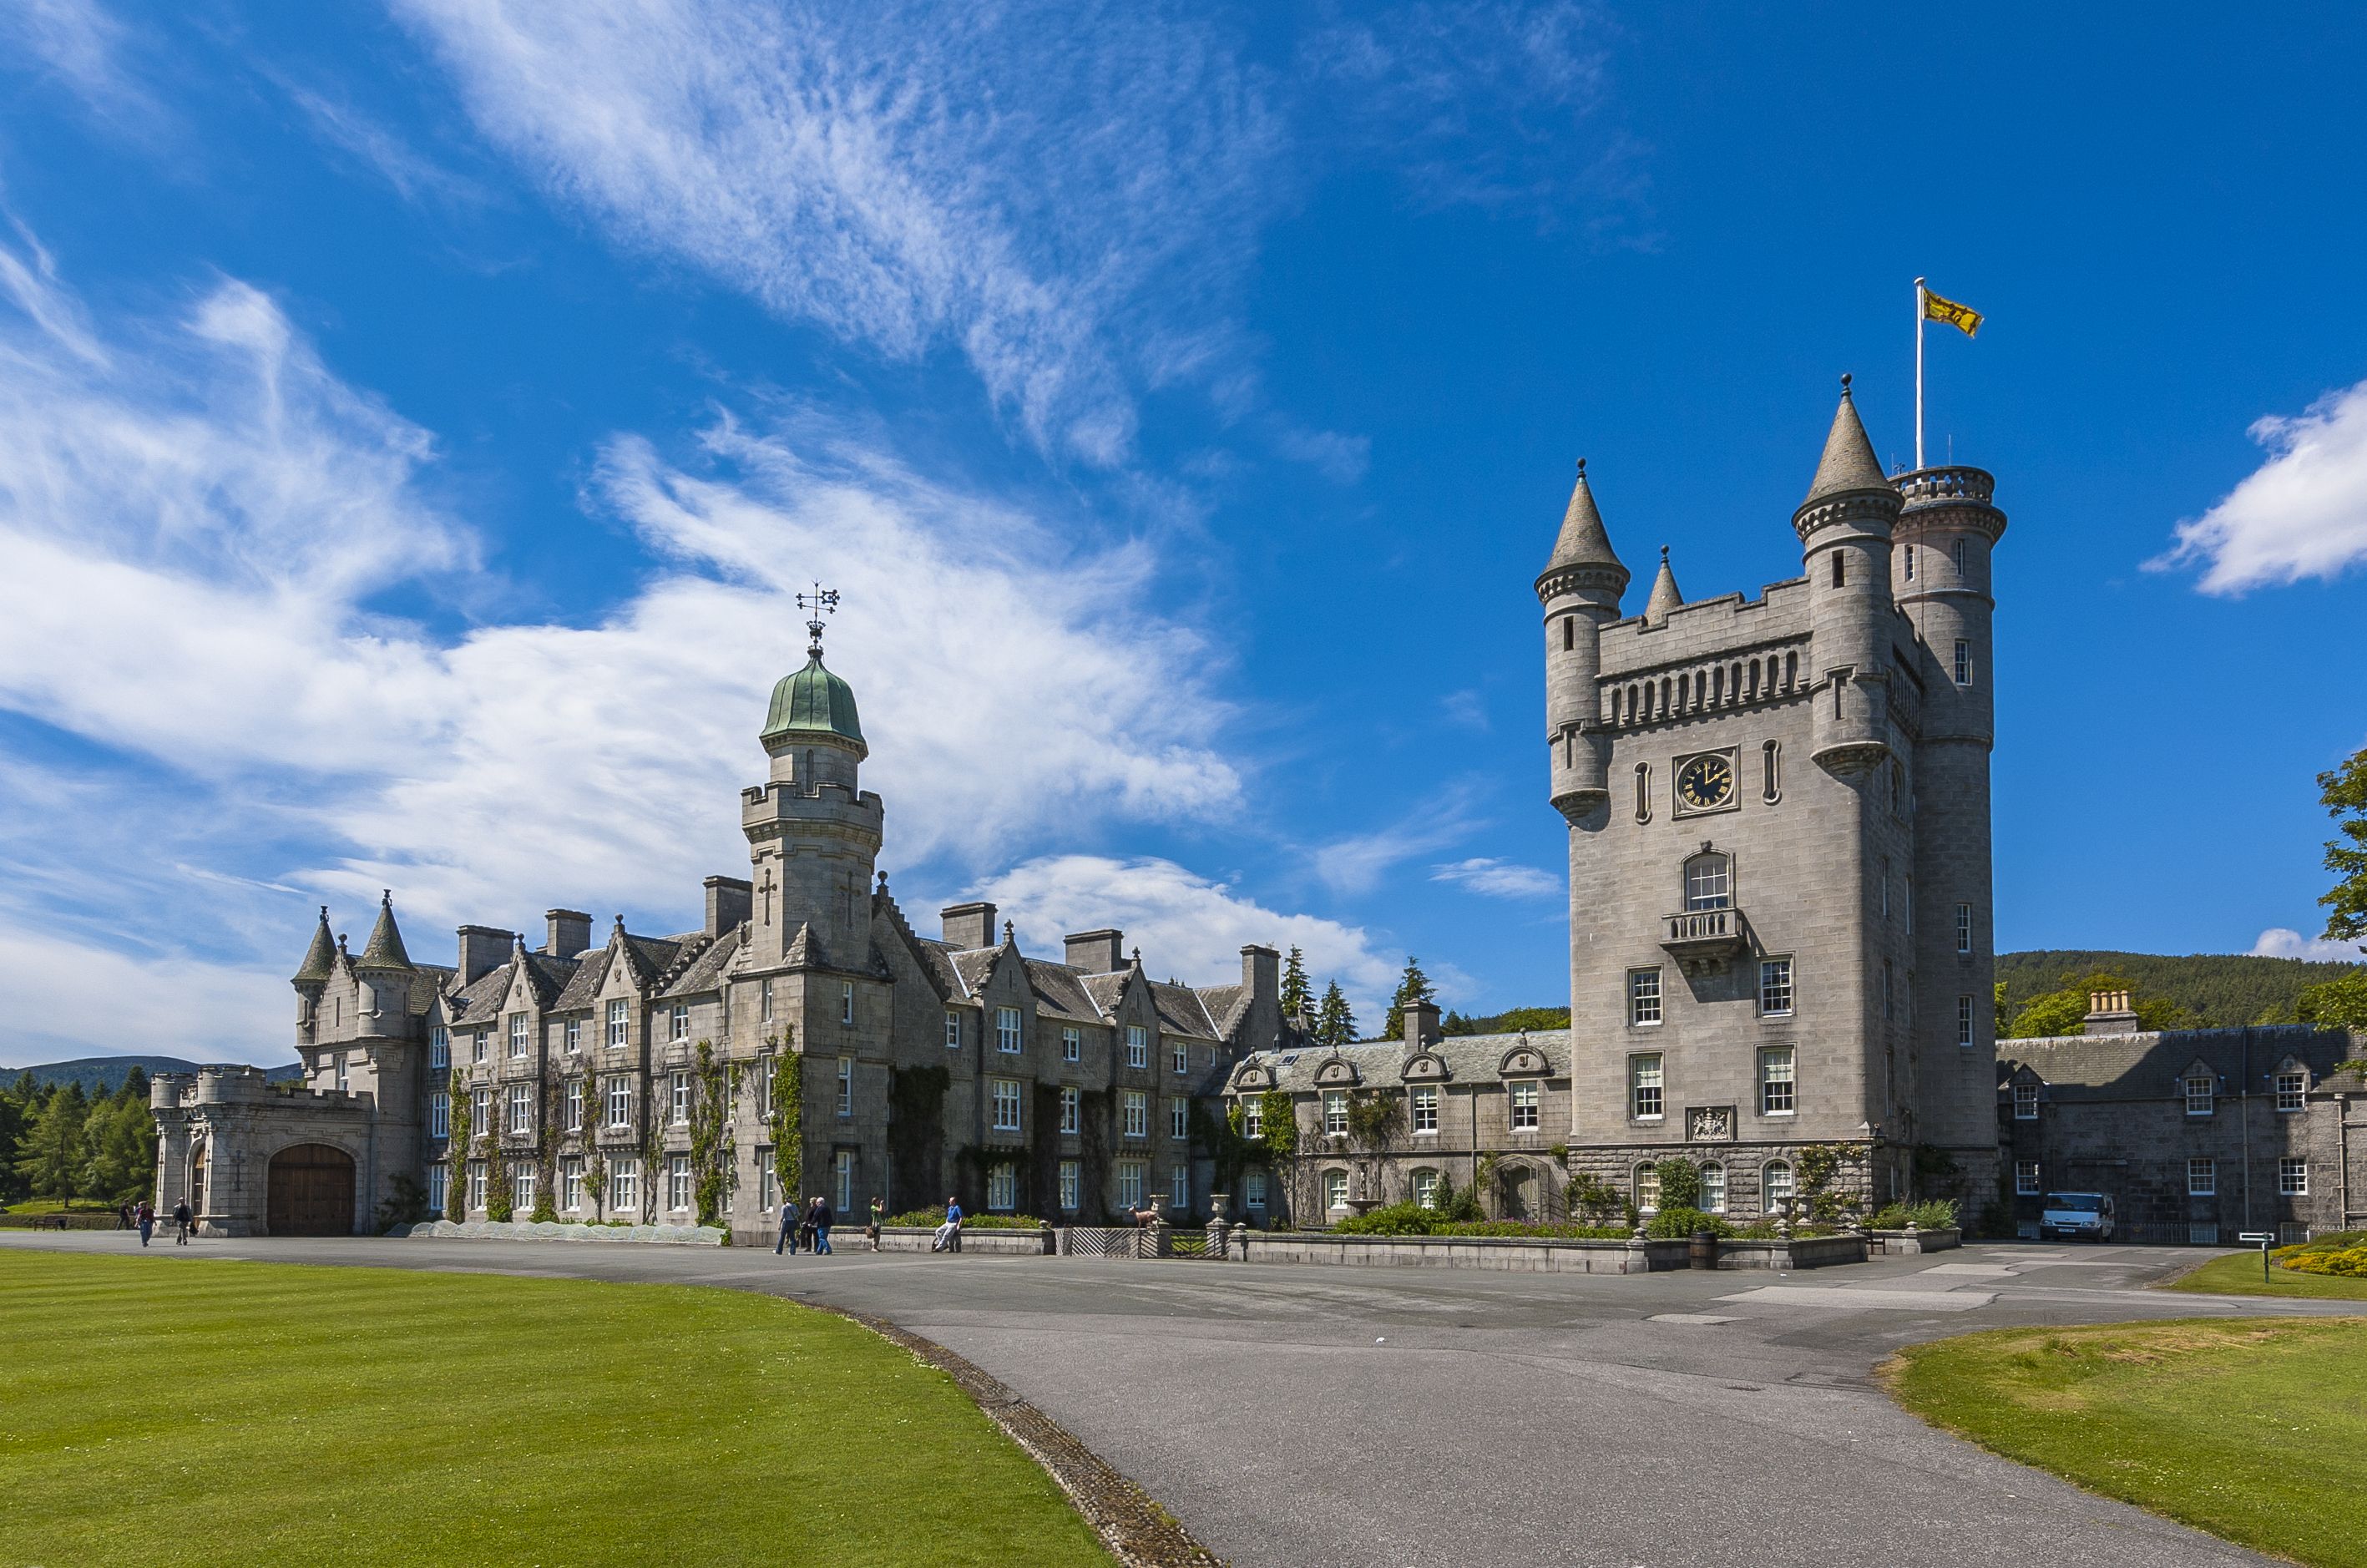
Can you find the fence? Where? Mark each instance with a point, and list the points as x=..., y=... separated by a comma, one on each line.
x=1149, y=1241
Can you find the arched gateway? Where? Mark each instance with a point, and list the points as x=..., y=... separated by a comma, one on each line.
x=311, y=1191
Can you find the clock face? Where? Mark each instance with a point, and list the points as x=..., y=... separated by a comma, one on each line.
x=1706, y=783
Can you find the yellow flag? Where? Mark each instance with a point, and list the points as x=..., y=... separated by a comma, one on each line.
x=1963, y=317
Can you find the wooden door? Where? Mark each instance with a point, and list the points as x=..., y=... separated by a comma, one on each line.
x=311, y=1191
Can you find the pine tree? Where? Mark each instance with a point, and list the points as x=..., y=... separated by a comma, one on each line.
x=135, y=1085
x=1413, y=987
x=51, y=1157
x=1335, y=1023
x=12, y=1133
x=119, y=1141
x=1298, y=998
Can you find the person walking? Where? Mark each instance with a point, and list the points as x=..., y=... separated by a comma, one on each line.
x=822, y=1218
x=871, y=1232
x=806, y=1224
x=181, y=1218
x=789, y=1228
x=123, y=1216
x=147, y=1220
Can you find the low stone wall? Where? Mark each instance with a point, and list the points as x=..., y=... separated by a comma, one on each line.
x=1800, y=1252
x=1539, y=1255
x=1912, y=1244
x=552, y=1231
x=916, y=1238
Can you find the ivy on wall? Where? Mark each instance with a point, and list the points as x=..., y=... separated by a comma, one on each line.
x=710, y=1150
x=788, y=1123
x=455, y=1149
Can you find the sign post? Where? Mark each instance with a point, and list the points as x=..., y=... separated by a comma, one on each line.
x=2264, y=1238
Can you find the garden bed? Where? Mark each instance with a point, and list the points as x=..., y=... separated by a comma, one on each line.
x=1904, y=1244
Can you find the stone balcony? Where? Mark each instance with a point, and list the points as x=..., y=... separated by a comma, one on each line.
x=1703, y=939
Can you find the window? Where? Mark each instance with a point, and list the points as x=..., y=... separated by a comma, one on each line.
x=1425, y=1108
x=1775, y=988
x=1964, y=1020
x=679, y=1106
x=1775, y=1184
x=2201, y=1178
x=1179, y=1187
x=481, y=1111
x=1006, y=1030
x=1138, y=1046
x=439, y=1180
x=846, y=1001
x=345, y=1078
x=1841, y=571
x=1253, y=1189
x=1006, y=1104
x=845, y=1086
x=766, y=1063
x=574, y=1105
x=1647, y=1189
x=678, y=1193
x=1643, y=791
x=1964, y=671
x=476, y=1183
x=1253, y=1116
x=572, y=1035
x=521, y=1107
x=1071, y=1106
x=1713, y=1189
x=1129, y=1183
x=1525, y=1106
x=1957, y=551
x=477, y=1046
x=1072, y=1045
x=1907, y=562
x=439, y=1115
x=439, y=1047
x=621, y=1101
x=2291, y=1090
x=1888, y=984
x=518, y=1036
x=768, y=1180
x=2025, y=1178
x=764, y=1007
x=1425, y=1188
x=571, y=1183
x=1069, y=1184
x=1137, y=1114
x=1179, y=1119
x=841, y=1170
x=681, y=1022
x=1775, y=1083
x=1335, y=1191
x=1643, y=997
x=624, y=1186
x=1709, y=882
x=1644, y=1087
x=2292, y=1177
x=1569, y=633
x=2199, y=1087
x=619, y=1024
x=953, y=1030
x=522, y=1187
x=2025, y=1102
x=1335, y=1113
x=1964, y=927
x=1183, y=1058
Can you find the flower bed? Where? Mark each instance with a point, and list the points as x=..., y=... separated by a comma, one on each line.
x=930, y=1219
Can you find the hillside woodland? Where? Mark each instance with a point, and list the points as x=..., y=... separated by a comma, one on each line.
x=60, y=1144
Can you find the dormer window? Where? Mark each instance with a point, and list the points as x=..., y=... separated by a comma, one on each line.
x=2025, y=1102
x=2293, y=1089
x=2200, y=1088
x=1709, y=882
x=619, y=1022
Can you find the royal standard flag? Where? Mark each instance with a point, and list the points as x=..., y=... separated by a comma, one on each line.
x=1963, y=317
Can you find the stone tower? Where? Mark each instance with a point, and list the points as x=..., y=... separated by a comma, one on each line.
x=1778, y=838
x=814, y=832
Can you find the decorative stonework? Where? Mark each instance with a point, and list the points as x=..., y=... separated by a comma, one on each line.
x=1709, y=1124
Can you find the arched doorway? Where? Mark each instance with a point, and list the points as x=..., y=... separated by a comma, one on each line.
x=198, y=1178
x=311, y=1191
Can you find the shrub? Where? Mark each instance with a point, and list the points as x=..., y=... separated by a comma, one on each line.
x=1413, y=1220
x=1674, y=1221
x=1938, y=1214
x=1459, y=1204
x=1680, y=1184
x=930, y=1219
x=1595, y=1198
x=2351, y=1263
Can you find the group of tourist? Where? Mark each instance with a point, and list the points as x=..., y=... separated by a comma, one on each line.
x=141, y=1217
x=807, y=1225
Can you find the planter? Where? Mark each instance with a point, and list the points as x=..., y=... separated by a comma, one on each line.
x=1538, y=1255
x=1910, y=1243
x=1800, y=1252
x=552, y=1231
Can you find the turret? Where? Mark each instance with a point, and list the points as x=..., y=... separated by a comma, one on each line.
x=311, y=975
x=1946, y=531
x=1579, y=589
x=385, y=972
x=1845, y=530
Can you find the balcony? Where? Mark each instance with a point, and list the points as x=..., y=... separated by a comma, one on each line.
x=1705, y=938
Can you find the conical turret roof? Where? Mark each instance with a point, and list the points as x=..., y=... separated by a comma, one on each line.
x=1665, y=596
x=1582, y=542
x=1848, y=462
x=321, y=958
x=385, y=948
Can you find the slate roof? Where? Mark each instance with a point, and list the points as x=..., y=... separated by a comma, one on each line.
x=481, y=998
x=1583, y=541
x=385, y=948
x=321, y=958
x=584, y=986
x=2150, y=1065
x=1226, y=1005
x=1180, y=1010
x=1847, y=462
x=705, y=971
x=1469, y=1058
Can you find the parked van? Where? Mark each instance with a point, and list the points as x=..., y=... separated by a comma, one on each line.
x=2083, y=1216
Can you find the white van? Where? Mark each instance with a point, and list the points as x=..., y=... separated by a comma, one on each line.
x=2085, y=1216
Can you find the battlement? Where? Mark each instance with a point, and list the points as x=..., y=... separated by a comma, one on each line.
x=234, y=1086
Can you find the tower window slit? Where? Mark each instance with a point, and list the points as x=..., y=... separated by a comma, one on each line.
x=1791, y=670
x=1840, y=570
x=1569, y=633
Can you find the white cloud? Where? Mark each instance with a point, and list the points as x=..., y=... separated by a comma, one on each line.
x=2281, y=942
x=414, y=176
x=1054, y=194
x=86, y=48
x=2301, y=514
x=1498, y=879
x=94, y=1001
x=1187, y=926
x=1356, y=864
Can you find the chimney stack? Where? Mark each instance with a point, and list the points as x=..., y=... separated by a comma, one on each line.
x=968, y=926
x=566, y=932
x=1420, y=1027
x=1096, y=952
x=483, y=949
x=728, y=900
x=2109, y=1013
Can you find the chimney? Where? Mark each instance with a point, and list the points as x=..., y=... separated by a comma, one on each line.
x=1420, y=1027
x=2109, y=1013
x=728, y=900
x=968, y=926
x=1097, y=952
x=483, y=949
x=566, y=932
x=1262, y=973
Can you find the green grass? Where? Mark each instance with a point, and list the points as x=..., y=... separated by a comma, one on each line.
x=2240, y=1275
x=2249, y=1428
x=167, y=1410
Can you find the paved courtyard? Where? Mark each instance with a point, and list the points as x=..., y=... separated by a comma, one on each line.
x=1321, y=1416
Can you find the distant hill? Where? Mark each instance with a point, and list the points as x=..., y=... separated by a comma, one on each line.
x=105, y=1074
x=2222, y=989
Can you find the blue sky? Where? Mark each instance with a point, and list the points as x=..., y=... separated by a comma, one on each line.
x=413, y=424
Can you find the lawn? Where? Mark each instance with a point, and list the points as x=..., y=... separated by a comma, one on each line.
x=2240, y=1275
x=2249, y=1428
x=162, y=1409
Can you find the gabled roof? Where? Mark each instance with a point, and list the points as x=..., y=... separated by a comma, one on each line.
x=1477, y=1058
x=1180, y=1010
x=706, y=970
x=1227, y=1005
x=584, y=986
x=481, y=999
x=2154, y=1065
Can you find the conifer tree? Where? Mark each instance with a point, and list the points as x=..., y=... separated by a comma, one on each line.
x=1298, y=998
x=1335, y=1023
x=51, y=1158
x=119, y=1138
x=1413, y=987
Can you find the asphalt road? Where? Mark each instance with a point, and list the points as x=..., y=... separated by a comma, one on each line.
x=1321, y=1416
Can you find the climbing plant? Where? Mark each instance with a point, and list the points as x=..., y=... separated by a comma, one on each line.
x=455, y=1150
x=708, y=1148
x=546, y=1159
x=788, y=1124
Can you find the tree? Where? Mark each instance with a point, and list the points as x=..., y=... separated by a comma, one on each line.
x=2344, y=793
x=1413, y=987
x=1298, y=996
x=51, y=1159
x=2063, y=1011
x=135, y=1085
x=119, y=1136
x=1335, y=1023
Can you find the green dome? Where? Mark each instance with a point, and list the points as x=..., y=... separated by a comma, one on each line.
x=813, y=700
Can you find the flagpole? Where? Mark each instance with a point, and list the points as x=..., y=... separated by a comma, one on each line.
x=1919, y=373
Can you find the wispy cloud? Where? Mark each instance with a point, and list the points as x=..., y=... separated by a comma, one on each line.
x=2301, y=514
x=2281, y=942
x=1356, y=863
x=83, y=45
x=414, y=176
x=1495, y=878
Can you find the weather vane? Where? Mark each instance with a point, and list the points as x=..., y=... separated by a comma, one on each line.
x=820, y=602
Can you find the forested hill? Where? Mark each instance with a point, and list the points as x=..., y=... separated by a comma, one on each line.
x=105, y=1074
x=2221, y=989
